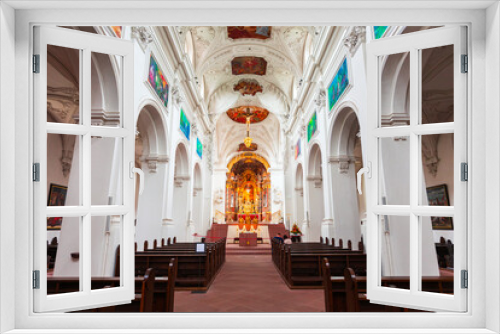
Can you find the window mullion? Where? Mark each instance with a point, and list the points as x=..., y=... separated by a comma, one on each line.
x=414, y=170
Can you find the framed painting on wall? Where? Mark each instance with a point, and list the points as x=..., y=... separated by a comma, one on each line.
x=338, y=85
x=438, y=196
x=297, y=149
x=185, y=125
x=199, y=148
x=157, y=80
x=57, y=197
x=311, y=127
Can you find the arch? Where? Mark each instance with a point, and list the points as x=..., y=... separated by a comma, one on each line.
x=151, y=126
x=189, y=47
x=299, y=194
x=345, y=161
x=181, y=195
x=315, y=193
x=395, y=81
x=247, y=156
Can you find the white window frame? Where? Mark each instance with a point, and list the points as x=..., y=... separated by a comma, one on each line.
x=86, y=44
x=484, y=102
x=413, y=44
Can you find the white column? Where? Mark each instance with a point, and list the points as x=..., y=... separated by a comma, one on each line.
x=219, y=192
x=277, y=191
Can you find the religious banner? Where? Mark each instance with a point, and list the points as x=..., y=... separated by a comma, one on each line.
x=199, y=148
x=185, y=125
x=311, y=127
x=338, y=84
x=158, y=81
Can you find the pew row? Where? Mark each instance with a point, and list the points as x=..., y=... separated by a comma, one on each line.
x=195, y=270
x=300, y=266
x=152, y=293
x=347, y=293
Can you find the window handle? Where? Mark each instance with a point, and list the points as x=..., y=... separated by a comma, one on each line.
x=134, y=170
x=365, y=170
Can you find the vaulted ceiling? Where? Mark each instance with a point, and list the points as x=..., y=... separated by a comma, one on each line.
x=248, y=66
x=213, y=51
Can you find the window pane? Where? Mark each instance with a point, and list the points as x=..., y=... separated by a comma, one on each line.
x=106, y=89
x=106, y=174
x=394, y=171
x=63, y=85
x=437, y=85
x=63, y=170
x=394, y=232
x=437, y=263
x=437, y=169
x=63, y=255
x=106, y=240
x=395, y=89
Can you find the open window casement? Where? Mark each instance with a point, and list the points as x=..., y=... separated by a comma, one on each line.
x=416, y=129
x=84, y=147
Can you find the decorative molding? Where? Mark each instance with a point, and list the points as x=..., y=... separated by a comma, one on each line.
x=101, y=117
x=430, y=153
x=152, y=162
x=177, y=95
x=179, y=180
x=395, y=119
x=317, y=179
x=355, y=38
x=343, y=163
x=196, y=191
x=142, y=35
x=320, y=99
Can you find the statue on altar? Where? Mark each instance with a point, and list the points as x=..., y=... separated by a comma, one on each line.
x=248, y=207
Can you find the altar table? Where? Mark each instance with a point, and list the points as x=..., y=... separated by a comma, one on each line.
x=248, y=239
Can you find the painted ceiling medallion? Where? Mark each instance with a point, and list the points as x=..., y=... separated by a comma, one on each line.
x=239, y=114
x=249, y=65
x=237, y=32
x=248, y=87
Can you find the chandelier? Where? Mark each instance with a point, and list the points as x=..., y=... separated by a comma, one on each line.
x=248, y=140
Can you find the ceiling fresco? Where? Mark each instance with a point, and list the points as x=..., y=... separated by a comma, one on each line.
x=248, y=87
x=263, y=32
x=248, y=65
x=239, y=114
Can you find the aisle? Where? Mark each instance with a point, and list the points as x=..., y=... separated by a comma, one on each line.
x=250, y=283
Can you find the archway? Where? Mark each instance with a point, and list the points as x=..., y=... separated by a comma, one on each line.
x=151, y=157
x=248, y=189
x=345, y=161
x=197, y=212
x=181, y=192
x=316, y=198
x=299, y=195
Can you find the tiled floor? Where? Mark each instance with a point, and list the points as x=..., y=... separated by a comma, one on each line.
x=250, y=283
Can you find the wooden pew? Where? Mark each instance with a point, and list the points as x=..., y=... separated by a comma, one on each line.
x=153, y=294
x=347, y=293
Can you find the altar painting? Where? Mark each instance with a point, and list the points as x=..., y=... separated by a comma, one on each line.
x=338, y=84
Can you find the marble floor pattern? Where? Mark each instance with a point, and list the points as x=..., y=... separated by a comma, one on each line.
x=250, y=283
